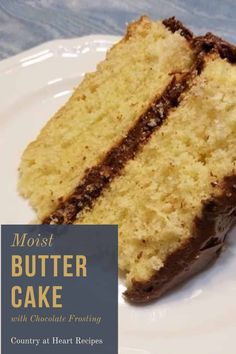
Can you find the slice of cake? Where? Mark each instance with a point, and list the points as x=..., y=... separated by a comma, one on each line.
x=166, y=174
x=102, y=110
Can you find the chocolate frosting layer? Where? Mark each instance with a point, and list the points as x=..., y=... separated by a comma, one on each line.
x=209, y=233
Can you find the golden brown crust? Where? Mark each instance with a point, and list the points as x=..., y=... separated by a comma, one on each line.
x=142, y=25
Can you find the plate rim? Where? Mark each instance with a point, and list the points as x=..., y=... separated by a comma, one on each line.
x=53, y=45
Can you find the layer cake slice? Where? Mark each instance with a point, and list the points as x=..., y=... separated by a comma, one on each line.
x=166, y=173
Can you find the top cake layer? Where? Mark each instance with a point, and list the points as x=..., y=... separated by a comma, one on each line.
x=101, y=111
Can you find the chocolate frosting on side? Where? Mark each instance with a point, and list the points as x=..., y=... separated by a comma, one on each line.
x=205, y=43
x=174, y=25
x=211, y=42
x=209, y=233
x=99, y=176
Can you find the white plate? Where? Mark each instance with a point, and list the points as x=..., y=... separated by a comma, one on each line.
x=197, y=318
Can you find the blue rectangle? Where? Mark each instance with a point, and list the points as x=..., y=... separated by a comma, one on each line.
x=59, y=289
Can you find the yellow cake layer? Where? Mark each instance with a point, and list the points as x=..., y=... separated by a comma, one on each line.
x=160, y=192
x=100, y=112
